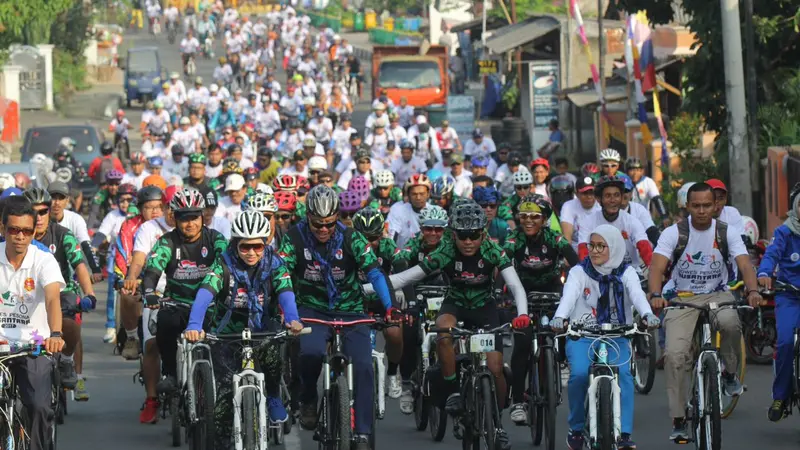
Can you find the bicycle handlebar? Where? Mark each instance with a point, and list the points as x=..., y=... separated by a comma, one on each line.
x=780, y=286
x=579, y=330
x=247, y=335
x=712, y=306
x=456, y=331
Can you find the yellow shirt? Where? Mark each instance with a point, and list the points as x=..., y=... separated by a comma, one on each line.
x=267, y=175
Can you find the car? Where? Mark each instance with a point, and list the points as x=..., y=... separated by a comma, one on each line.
x=143, y=74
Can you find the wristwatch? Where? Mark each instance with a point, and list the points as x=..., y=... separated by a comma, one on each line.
x=56, y=334
x=655, y=295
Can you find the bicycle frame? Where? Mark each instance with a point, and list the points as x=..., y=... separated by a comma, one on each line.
x=187, y=363
x=379, y=359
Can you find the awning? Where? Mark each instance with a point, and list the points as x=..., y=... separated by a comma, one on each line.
x=492, y=23
x=588, y=97
x=512, y=36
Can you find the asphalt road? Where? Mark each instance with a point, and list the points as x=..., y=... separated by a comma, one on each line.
x=110, y=419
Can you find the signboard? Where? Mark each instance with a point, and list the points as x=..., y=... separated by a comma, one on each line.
x=461, y=114
x=488, y=66
x=544, y=82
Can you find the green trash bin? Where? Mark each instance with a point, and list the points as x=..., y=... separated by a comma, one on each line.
x=358, y=23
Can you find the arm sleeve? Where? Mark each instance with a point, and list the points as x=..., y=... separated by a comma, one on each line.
x=773, y=253
x=378, y=280
x=652, y=235
x=400, y=280
x=91, y=258
x=155, y=265
x=289, y=306
x=79, y=228
x=517, y=291
x=569, y=296
x=736, y=245
x=201, y=303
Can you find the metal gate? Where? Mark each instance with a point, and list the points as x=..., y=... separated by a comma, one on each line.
x=32, y=89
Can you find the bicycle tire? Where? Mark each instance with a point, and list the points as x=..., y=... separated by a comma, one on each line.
x=57, y=393
x=729, y=403
x=712, y=422
x=375, y=410
x=645, y=366
x=550, y=380
x=486, y=417
x=175, y=416
x=249, y=420
x=796, y=375
x=202, y=432
x=22, y=440
x=535, y=420
x=343, y=422
x=605, y=412
x=421, y=408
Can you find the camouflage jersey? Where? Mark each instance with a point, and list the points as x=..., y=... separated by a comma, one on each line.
x=219, y=281
x=353, y=254
x=415, y=252
x=536, y=259
x=383, y=204
x=387, y=249
x=184, y=263
x=102, y=204
x=471, y=278
x=67, y=251
x=300, y=212
x=508, y=208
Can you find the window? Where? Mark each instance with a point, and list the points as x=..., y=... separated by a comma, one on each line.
x=409, y=74
x=143, y=62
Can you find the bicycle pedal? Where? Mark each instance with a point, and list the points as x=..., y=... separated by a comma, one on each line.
x=744, y=388
x=682, y=441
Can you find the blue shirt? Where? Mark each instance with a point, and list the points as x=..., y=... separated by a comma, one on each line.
x=784, y=251
x=36, y=243
x=557, y=136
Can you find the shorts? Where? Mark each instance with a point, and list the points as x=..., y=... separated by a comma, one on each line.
x=148, y=316
x=70, y=299
x=485, y=316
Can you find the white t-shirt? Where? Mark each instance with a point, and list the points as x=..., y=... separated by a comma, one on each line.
x=632, y=232
x=733, y=218
x=149, y=233
x=226, y=209
x=572, y=212
x=111, y=224
x=135, y=180
x=403, y=170
x=75, y=223
x=641, y=214
x=403, y=222
x=701, y=268
x=646, y=190
x=485, y=148
x=23, y=312
x=222, y=225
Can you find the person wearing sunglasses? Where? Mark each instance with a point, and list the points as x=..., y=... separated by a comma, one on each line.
x=324, y=258
x=523, y=182
x=536, y=251
x=385, y=193
x=609, y=162
x=65, y=248
x=104, y=200
x=197, y=172
x=184, y=255
x=244, y=287
x=489, y=199
x=443, y=191
x=601, y=289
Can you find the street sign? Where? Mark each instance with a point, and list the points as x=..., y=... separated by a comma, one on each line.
x=544, y=81
x=488, y=66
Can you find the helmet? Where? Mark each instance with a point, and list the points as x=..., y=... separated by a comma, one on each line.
x=62, y=153
x=68, y=143
x=38, y=158
x=443, y=186
x=467, y=216
x=384, y=178
x=230, y=166
x=286, y=200
x=177, y=149
x=156, y=161
x=369, y=222
x=523, y=178
x=589, y=169
x=38, y=196
x=317, y=163
x=187, y=200
x=562, y=184
x=750, y=229
x=633, y=163
x=264, y=189
x=285, y=183
x=149, y=193
x=433, y=216
x=114, y=175
x=197, y=158
x=7, y=181
x=261, y=203
x=126, y=189
x=250, y=225
x=606, y=181
x=350, y=201
x=483, y=195
x=610, y=154
x=540, y=162
x=417, y=179
x=405, y=143
x=360, y=186
x=434, y=174
x=106, y=148
x=155, y=180
x=20, y=179
x=322, y=201
x=683, y=194
x=251, y=173
x=138, y=158
x=627, y=180
x=541, y=204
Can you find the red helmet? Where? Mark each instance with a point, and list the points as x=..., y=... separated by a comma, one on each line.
x=302, y=182
x=286, y=200
x=418, y=179
x=589, y=169
x=285, y=183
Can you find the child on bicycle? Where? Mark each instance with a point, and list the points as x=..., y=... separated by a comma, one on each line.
x=784, y=252
x=601, y=289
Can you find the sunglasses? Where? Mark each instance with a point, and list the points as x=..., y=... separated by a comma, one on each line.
x=256, y=247
x=384, y=188
x=363, y=161
x=473, y=235
x=126, y=199
x=596, y=248
x=43, y=212
x=610, y=166
x=113, y=183
x=13, y=231
x=314, y=172
x=530, y=216
x=321, y=226
x=187, y=217
x=522, y=188
x=433, y=229
x=489, y=205
x=283, y=217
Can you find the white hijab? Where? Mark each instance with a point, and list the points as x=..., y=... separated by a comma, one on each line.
x=616, y=248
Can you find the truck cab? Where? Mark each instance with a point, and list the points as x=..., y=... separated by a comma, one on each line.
x=143, y=74
x=419, y=73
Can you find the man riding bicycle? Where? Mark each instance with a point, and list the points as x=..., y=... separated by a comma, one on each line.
x=189, y=47
x=354, y=72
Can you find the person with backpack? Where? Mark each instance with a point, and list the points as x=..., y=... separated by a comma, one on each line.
x=698, y=251
x=104, y=163
x=104, y=200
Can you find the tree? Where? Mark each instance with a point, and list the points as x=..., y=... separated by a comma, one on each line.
x=28, y=21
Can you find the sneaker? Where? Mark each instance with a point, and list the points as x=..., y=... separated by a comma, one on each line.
x=131, y=349
x=166, y=385
x=680, y=430
x=454, y=405
x=149, y=412
x=308, y=416
x=625, y=442
x=575, y=440
x=361, y=441
x=406, y=402
x=660, y=361
x=501, y=441
x=81, y=394
x=564, y=375
x=69, y=378
x=731, y=385
x=519, y=415
x=395, y=387
x=777, y=411
x=276, y=410
x=110, y=336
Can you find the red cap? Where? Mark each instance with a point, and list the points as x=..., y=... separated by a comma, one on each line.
x=716, y=184
x=169, y=193
x=540, y=162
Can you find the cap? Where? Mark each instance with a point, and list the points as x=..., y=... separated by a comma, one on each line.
x=234, y=182
x=445, y=123
x=481, y=161
x=10, y=192
x=185, y=121
x=456, y=159
x=299, y=155
x=355, y=135
x=476, y=133
x=514, y=161
x=198, y=80
x=717, y=184
x=264, y=151
x=317, y=163
x=309, y=141
x=380, y=123
x=362, y=154
x=584, y=184
x=421, y=119
x=380, y=107
x=58, y=187
x=320, y=113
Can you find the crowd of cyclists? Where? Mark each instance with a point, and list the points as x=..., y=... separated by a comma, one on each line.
x=256, y=208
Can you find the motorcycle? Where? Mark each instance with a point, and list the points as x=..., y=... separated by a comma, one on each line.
x=759, y=326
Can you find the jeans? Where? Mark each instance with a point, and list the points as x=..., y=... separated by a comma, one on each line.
x=579, y=361
x=787, y=318
x=34, y=378
x=171, y=323
x=357, y=346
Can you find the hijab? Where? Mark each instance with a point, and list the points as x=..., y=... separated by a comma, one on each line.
x=609, y=275
x=793, y=221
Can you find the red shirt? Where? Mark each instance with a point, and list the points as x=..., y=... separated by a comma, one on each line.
x=95, y=166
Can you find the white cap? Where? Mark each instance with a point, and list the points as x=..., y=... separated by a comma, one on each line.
x=317, y=163
x=421, y=119
x=380, y=123
x=213, y=87
x=234, y=182
x=185, y=121
x=263, y=188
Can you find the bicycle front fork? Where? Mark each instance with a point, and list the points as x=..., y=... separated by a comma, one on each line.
x=238, y=390
x=378, y=360
x=592, y=406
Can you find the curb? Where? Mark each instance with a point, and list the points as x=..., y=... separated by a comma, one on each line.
x=93, y=106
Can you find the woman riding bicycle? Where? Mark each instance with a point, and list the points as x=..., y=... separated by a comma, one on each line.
x=243, y=285
x=600, y=290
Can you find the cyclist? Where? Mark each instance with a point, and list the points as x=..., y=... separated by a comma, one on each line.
x=265, y=205
x=536, y=251
x=523, y=181
x=243, y=285
x=403, y=217
x=780, y=252
x=576, y=210
x=562, y=190
x=120, y=126
x=189, y=47
x=646, y=190
x=184, y=255
x=103, y=200
x=137, y=174
x=699, y=277
x=722, y=211
x=65, y=248
x=599, y=291
x=489, y=199
x=74, y=222
x=609, y=162
x=105, y=163
x=197, y=172
x=443, y=191
x=540, y=169
x=349, y=204
x=324, y=257
x=637, y=210
x=385, y=193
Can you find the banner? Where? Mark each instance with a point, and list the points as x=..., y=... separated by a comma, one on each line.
x=544, y=84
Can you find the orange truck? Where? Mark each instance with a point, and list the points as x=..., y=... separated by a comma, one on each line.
x=418, y=73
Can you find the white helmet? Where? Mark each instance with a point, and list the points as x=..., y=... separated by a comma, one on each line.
x=683, y=193
x=250, y=225
x=522, y=177
x=433, y=215
x=7, y=181
x=610, y=154
x=317, y=163
x=38, y=158
x=750, y=229
x=262, y=188
x=261, y=203
x=213, y=87
x=384, y=178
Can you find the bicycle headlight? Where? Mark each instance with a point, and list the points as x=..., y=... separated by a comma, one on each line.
x=156, y=80
x=132, y=82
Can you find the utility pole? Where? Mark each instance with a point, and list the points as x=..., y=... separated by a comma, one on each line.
x=741, y=188
x=518, y=52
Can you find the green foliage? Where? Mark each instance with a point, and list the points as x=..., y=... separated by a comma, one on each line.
x=511, y=97
x=527, y=8
x=69, y=75
x=780, y=121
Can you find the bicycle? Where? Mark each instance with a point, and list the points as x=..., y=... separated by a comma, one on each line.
x=643, y=361
x=14, y=421
x=603, y=410
x=779, y=286
x=250, y=420
x=191, y=67
x=477, y=427
x=197, y=391
x=705, y=408
x=59, y=391
x=429, y=299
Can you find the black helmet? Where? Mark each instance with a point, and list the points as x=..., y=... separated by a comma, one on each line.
x=369, y=222
x=148, y=194
x=322, y=201
x=106, y=148
x=177, y=149
x=467, y=216
x=633, y=163
x=38, y=196
x=607, y=181
x=62, y=153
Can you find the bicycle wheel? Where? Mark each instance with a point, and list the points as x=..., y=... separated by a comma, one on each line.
x=645, y=363
x=202, y=431
x=486, y=427
x=550, y=382
x=605, y=412
x=57, y=394
x=375, y=410
x=249, y=419
x=343, y=424
x=535, y=419
x=711, y=421
x=421, y=407
x=729, y=403
x=175, y=415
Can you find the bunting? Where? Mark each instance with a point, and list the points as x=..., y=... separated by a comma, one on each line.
x=631, y=62
x=576, y=14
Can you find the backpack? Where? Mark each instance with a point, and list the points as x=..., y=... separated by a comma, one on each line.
x=106, y=165
x=720, y=238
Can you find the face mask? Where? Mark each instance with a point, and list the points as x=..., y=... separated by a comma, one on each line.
x=423, y=136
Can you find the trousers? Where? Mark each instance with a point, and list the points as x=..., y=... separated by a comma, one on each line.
x=171, y=323
x=787, y=318
x=34, y=378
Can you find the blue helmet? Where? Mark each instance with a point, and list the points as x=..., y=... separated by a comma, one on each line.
x=485, y=195
x=156, y=161
x=443, y=186
x=10, y=192
x=434, y=174
x=628, y=182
